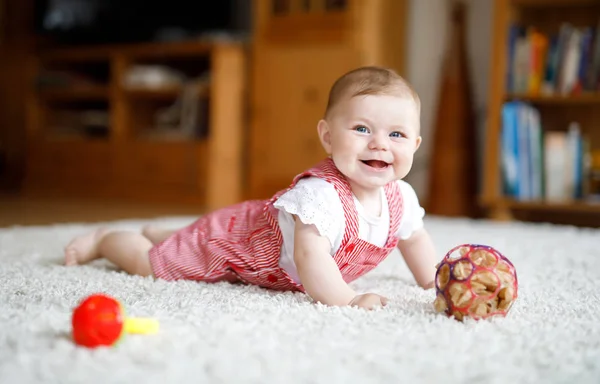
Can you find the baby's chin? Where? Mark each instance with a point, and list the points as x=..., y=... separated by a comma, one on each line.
x=371, y=182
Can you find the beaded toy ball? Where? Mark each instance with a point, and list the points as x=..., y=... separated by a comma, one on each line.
x=475, y=281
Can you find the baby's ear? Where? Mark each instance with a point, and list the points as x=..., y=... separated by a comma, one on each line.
x=418, y=143
x=325, y=135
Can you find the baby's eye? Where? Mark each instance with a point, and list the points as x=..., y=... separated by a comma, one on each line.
x=397, y=134
x=361, y=129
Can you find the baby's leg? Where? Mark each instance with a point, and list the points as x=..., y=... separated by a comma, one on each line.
x=128, y=250
x=156, y=234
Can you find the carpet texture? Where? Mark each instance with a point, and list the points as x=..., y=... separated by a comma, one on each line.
x=224, y=333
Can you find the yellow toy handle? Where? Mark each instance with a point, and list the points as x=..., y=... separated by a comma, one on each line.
x=140, y=325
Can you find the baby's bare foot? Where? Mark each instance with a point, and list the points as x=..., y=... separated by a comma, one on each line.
x=155, y=234
x=84, y=248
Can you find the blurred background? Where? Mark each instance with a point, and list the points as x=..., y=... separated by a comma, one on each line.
x=115, y=109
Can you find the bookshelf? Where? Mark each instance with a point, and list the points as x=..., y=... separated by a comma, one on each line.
x=161, y=122
x=542, y=141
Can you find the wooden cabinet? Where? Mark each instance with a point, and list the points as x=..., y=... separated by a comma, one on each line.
x=287, y=107
x=95, y=132
x=300, y=48
x=59, y=163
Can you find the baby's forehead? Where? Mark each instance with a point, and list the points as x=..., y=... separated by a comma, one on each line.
x=391, y=101
x=386, y=110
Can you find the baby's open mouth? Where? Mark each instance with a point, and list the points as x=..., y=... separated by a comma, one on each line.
x=375, y=163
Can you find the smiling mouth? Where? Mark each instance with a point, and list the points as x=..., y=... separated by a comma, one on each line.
x=376, y=164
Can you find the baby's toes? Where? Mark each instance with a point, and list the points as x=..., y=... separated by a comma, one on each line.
x=70, y=256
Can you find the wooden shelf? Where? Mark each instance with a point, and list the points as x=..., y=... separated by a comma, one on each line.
x=584, y=98
x=75, y=93
x=143, y=50
x=554, y=3
x=160, y=93
x=179, y=49
x=566, y=206
x=103, y=93
x=148, y=93
x=59, y=139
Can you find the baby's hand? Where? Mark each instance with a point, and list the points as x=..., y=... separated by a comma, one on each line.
x=368, y=301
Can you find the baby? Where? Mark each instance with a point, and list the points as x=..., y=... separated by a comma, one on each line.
x=335, y=222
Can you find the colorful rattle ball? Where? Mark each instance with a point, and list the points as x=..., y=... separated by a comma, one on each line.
x=475, y=281
x=99, y=320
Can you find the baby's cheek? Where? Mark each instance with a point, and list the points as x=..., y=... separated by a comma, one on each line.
x=404, y=162
x=401, y=158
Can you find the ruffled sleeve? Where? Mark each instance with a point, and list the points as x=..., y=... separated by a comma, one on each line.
x=413, y=213
x=316, y=202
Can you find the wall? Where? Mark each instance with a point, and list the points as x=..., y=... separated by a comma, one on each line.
x=427, y=33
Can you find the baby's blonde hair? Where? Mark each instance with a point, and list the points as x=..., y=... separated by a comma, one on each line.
x=370, y=80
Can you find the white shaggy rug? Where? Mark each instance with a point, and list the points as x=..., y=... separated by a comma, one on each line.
x=225, y=333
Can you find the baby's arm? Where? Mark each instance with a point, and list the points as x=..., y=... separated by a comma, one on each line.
x=320, y=275
x=317, y=270
x=420, y=256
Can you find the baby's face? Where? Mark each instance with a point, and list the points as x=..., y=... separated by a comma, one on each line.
x=372, y=139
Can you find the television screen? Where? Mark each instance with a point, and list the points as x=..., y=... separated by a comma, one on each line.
x=110, y=21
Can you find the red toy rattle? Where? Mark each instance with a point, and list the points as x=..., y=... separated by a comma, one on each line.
x=99, y=320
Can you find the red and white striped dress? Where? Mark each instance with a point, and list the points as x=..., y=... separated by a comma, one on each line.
x=243, y=242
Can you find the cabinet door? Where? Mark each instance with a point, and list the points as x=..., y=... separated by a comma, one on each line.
x=301, y=47
x=289, y=96
x=301, y=21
